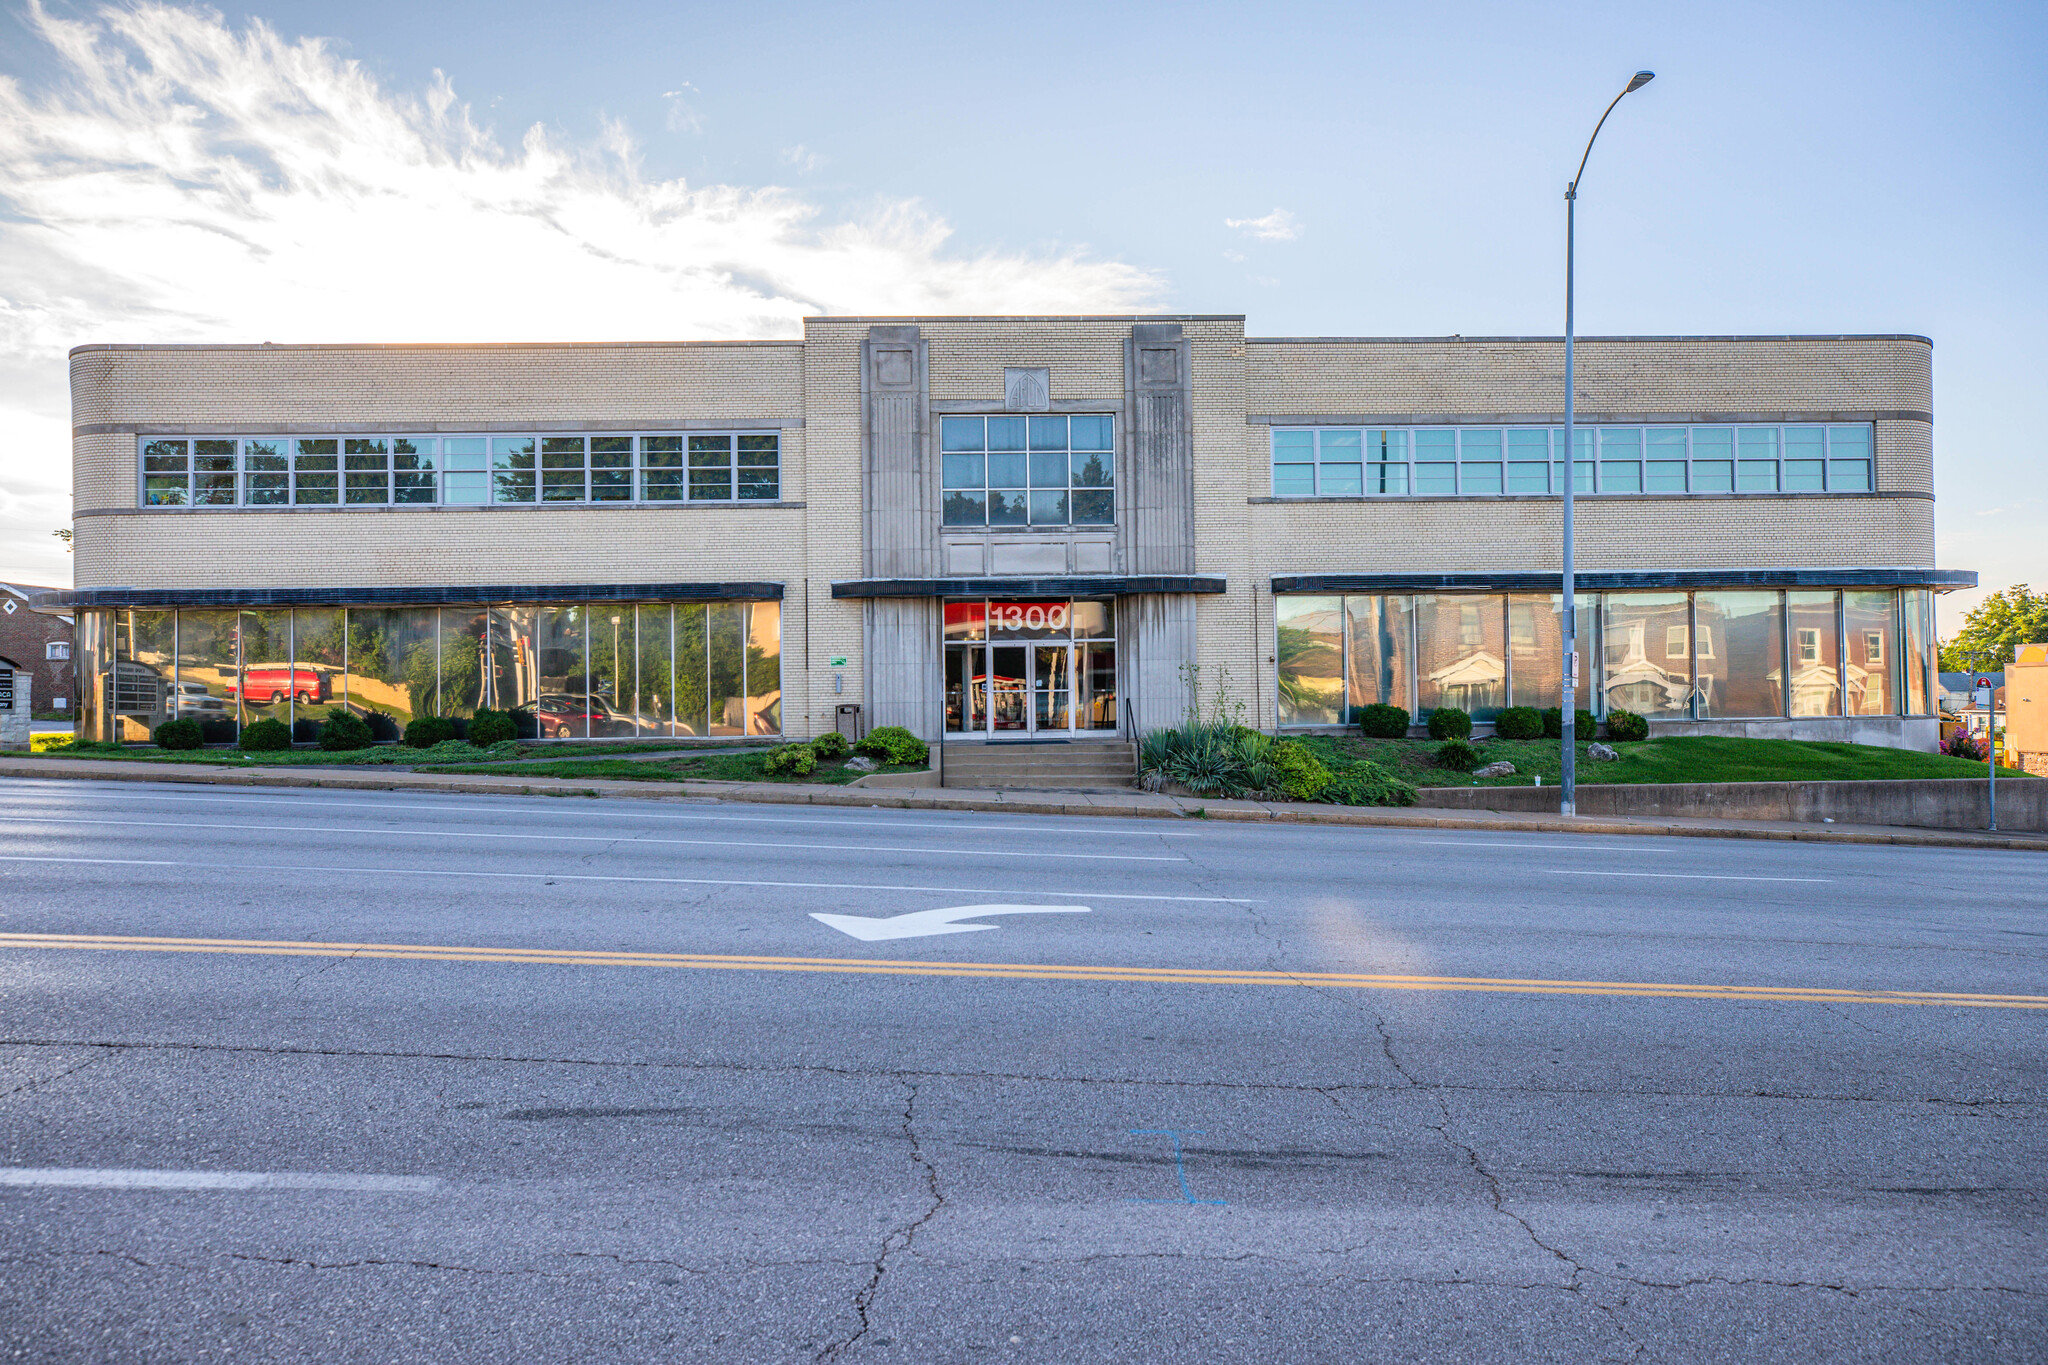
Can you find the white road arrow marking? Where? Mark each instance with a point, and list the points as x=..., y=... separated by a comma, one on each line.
x=923, y=923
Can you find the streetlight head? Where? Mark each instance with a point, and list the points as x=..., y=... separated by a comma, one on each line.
x=1639, y=80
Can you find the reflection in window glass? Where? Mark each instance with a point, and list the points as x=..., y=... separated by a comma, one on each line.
x=1917, y=606
x=613, y=659
x=653, y=671
x=208, y=675
x=266, y=689
x=1816, y=660
x=1739, y=638
x=145, y=675
x=692, y=692
x=1038, y=471
x=1637, y=672
x=512, y=469
x=393, y=662
x=1381, y=666
x=727, y=628
x=319, y=676
x=1460, y=655
x=465, y=631
x=764, y=668
x=1536, y=649
x=1311, y=659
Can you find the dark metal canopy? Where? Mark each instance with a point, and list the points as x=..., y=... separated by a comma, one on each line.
x=1066, y=585
x=406, y=597
x=1661, y=580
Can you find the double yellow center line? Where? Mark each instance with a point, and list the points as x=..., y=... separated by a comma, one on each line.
x=1017, y=971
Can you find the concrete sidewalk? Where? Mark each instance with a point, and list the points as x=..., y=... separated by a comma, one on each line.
x=1114, y=803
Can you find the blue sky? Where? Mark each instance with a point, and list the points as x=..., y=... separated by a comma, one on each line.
x=687, y=170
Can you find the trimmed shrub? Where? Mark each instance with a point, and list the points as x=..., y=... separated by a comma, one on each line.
x=1457, y=755
x=1584, y=724
x=1627, y=726
x=1381, y=721
x=1448, y=722
x=1519, y=722
x=1960, y=744
x=344, y=731
x=894, y=744
x=179, y=734
x=832, y=745
x=1302, y=775
x=488, y=727
x=793, y=760
x=424, y=732
x=266, y=736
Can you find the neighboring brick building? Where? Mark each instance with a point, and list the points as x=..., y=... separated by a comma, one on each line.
x=39, y=645
x=991, y=527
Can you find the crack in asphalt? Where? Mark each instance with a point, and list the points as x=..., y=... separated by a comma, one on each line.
x=897, y=1240
x=99, y=1054
x=1014, y=1077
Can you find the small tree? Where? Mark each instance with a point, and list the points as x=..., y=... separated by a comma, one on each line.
x=1994, y=630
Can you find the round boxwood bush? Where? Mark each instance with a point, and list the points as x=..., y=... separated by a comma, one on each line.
x=894, y=744
x=1302, y=775
x=344, y=731
x=1448, y=722
x=424, y=732
x=1584, y=724
x=791, y=760
x=179, y=734
x=1381, y=721
x=1519, y=722
x=832, y=745
x=1457, y=755
x=266, y=736
x=488, y=727
x=1627, y=726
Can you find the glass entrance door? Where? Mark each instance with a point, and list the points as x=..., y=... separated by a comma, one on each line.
x=1029, y=685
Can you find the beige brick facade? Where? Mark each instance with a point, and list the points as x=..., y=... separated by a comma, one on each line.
x=812, y=390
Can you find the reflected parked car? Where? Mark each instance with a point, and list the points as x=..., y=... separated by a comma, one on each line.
x=192, y=699
x=564, y=715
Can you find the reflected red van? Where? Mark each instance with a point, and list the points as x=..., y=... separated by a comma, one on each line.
x=263, y=684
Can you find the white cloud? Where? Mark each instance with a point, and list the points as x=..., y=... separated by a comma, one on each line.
x=175, y=178
x=802, y=157
x=682, y=116
x=1277, y=226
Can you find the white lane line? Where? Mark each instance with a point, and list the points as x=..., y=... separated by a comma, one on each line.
x=403, y=800
x=1683, y=876
x=94, y=1178
x=1568, y=848
x=377, y=832
x=360, y=870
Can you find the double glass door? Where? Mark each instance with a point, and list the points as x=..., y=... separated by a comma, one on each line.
x=998, y=688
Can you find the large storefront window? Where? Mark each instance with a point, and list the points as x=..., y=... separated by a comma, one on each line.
x=1021, y=668
x=570, y=671
x=1706, y=655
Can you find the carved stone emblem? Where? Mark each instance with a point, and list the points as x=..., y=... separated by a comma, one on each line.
x=1027, y=390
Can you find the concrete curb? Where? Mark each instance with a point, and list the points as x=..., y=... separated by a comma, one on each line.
x=1139, y=805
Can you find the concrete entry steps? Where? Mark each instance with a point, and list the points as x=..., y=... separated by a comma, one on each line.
x=1042, y=765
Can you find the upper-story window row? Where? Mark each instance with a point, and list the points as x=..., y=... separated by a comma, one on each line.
x=1029, y=471
x=327, y=471
x=1334, y=462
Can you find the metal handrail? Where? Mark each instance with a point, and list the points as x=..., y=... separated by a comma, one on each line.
x=1131, y=724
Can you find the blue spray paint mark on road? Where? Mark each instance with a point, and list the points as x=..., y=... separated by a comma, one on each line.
x=1180, y=1167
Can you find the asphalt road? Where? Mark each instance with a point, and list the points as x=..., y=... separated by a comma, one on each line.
x=609, y=1092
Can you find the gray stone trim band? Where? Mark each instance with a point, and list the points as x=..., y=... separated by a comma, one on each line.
x=1641, y=581
x=1590, y=497
x=1068, y=585
x=432, y=596
x=260, y=429
x=1534, y=419
x=976, y=407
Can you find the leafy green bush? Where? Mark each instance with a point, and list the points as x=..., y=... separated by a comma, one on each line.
x=1627, y=726
x=1381, y=721
x=266, y=736
x=1302, y=775
x=1448, y=722
x=794, y=760
x=1585, y=725
x=1356, y=781
x=179, y=734
x=424, y=732
x=1457, y=755
x=1519, y=722
x=1210, y=758
x=831, y=745
x=488, y=727
x=894, y=744
x=344, y=731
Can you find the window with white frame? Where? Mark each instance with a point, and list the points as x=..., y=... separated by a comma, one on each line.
x=1035, y=471
x=1345, y=462
x=458, y=470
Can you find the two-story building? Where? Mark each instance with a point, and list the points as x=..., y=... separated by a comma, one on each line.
x=988, y=528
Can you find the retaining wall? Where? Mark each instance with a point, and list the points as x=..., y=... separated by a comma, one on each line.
x=1933, y=803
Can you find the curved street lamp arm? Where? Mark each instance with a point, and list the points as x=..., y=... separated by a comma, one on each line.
x=1572, y=190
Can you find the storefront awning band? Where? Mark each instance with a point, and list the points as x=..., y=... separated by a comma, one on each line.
x=1067, y=585
x=1672, y=580
x=407, y=597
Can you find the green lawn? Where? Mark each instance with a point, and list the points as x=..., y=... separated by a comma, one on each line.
x=700, y=767
x=1698, y=758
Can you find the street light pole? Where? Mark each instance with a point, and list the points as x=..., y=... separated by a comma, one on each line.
x=1568, y=789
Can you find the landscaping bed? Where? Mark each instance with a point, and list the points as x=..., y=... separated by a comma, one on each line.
x=1690, y=758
